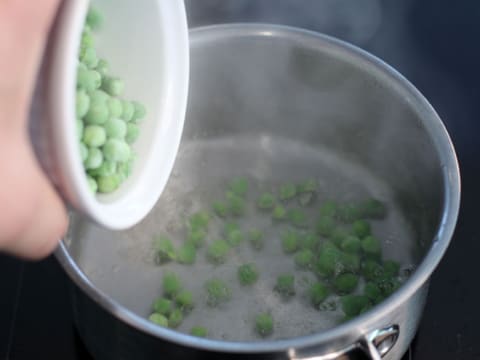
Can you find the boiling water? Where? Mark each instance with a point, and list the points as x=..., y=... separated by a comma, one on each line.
x=122, y=264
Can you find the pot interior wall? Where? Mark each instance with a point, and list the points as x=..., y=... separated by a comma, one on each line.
x=278, y=109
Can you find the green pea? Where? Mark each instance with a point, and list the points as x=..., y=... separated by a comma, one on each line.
x=113, y=86
x=184, y=300
x=351, y=244
x=139, y=111
x=229, y=227
x=297, y=217
x=94, y=19
x=255, y=237
x=196, y=237
x=308, y=186
x=163, y=306
x=304, y=259
x=102, y=67
x=115, y=107
x=317, y=293
x=247, y=274
x=239, y=186
x=175, y=319
x=348, y=213
x=352, y=305
x=325, y=226
x=328, y=306
x=287, y=192
x=199, y=220
x=391, y=268
x=290, y=241
x=186, y=254
x=87, y=40
x=266, y=201
x=235, y=238
x=217, y=292
x=329, y=246
x=107, y=168
x=279, y=213
x=328, y=260
x=305, y=199
x=236, y=204
x=115, y=128
x=328, y=208
x=94, y=159
x=83, y=151
x=88, y=56
x=108, y=184
x=132, y=133
x=158, y=319
x=80, y=127
x=83, y=77
x=348, y=262
x=345, y=283
x=116, y=150
x=361, y=228
x=94, y=136
x=199, y=331
x=82, y=103
x=387, y=285
x=285, y=285
x=125, y=169
x=94, y=80
x=97, y=113
x=325, y=265
x=309, y=241
x=264, y=324
x=99, y=97
x=171, y=285
x=128, y=110
x=164, y=250
x=92, y=184
x=372, y=291
x=306, y=191
x=338, y=236
x=217, y=251
x=220, y=209
x=372, y=270
x=371, y=246
x=373, y=209
x=365, y=309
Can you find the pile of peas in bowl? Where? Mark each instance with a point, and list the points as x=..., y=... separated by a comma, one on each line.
x=107, y=124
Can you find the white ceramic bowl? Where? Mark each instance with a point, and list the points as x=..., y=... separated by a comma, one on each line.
x=146, y=44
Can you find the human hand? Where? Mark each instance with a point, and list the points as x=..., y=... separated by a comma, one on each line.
x=32, y=216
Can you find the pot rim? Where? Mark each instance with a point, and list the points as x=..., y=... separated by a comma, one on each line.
x=353, y=329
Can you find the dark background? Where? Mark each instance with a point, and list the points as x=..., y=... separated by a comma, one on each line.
x=434, y=43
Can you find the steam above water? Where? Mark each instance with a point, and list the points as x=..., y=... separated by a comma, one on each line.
x=354, y=20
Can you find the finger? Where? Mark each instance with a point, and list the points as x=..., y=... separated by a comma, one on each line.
x=33, y=217
x=44, y=230
x=24, y=26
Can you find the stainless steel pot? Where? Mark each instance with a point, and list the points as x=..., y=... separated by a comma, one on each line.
x=274, y=85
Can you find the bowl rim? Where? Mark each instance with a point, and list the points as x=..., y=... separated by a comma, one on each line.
x=126, y=208
x=351, y=331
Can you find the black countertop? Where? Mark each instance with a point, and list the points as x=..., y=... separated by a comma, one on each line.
x=434, y=44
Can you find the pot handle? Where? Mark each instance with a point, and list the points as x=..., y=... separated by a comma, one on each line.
x=375, y=345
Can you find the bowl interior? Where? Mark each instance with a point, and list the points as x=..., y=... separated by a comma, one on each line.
x=146, y=45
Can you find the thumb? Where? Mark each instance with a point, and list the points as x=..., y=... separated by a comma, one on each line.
x=33, y=218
